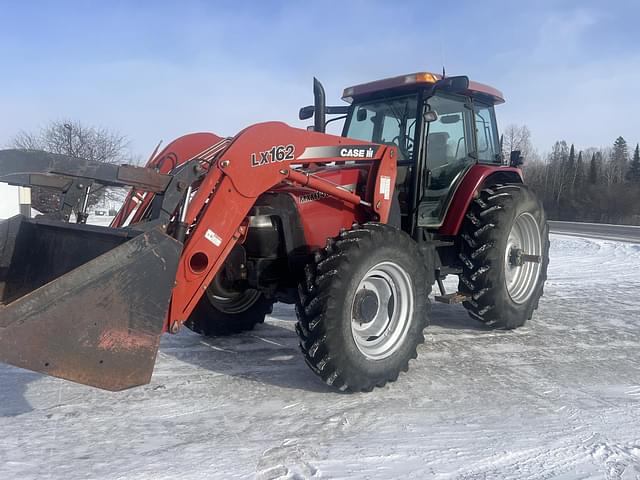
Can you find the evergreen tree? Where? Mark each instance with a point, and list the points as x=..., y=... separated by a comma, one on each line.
x=593, y=170
x=572, y=154
x=633, y=175
x=620, y=150
x=619, y=159
x=571, y=167
x=579, y=172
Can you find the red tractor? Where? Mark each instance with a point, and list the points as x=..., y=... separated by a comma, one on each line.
x=354, y=230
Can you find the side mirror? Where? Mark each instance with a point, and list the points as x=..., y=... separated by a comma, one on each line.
x=361, y=114
x=430, y=116
x=515, y=159
x=306, y=112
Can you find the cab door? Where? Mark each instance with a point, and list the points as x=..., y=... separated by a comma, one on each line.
x=449, y=153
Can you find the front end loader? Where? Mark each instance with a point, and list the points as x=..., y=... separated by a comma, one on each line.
x=353, y=229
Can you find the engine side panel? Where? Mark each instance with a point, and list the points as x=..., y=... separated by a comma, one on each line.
x=322, y=216
x=289, y=222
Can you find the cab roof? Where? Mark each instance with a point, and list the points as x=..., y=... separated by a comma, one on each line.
x=411, y=81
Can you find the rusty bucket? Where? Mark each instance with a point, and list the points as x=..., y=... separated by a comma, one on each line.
x=84, y=303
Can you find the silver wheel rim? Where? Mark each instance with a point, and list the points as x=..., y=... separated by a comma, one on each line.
x=524, y=237
x=381, y=332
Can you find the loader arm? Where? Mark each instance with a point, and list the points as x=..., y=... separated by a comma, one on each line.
x=18, y=166
x=259, y=158
x=201, y=146
x=72, y=178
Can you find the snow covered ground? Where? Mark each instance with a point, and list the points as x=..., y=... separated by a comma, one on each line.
x=559, y=398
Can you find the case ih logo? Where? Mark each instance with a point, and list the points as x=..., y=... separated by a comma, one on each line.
x=357, y=152
x=340, y=151
x=277, y=153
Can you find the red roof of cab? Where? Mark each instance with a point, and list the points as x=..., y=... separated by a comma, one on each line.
x=417, y=78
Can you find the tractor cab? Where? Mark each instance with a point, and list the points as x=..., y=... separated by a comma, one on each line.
x=441, y=127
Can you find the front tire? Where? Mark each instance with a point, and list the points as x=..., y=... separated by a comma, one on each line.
x=363, y=307
x=505, y=254
x=215, y=316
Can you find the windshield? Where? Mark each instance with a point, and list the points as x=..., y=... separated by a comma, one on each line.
x=390, y=121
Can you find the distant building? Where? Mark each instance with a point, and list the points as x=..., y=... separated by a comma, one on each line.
x=8, y=201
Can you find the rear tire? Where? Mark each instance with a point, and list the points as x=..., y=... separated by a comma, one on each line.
x=363, y=307
x=502, y=221
x=215, y=317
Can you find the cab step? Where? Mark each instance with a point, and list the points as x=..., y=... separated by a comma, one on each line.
x=452, y=298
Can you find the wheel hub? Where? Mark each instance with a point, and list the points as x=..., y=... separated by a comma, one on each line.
x=518, y=258
x=381, y=310
x=523, y=257
x=515, y=257
x=365, y=306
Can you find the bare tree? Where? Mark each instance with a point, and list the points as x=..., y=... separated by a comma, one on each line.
x=517, y=137
x=77, y=140
x=73, y=138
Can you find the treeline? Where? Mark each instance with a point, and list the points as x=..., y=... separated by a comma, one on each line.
x=599, y=185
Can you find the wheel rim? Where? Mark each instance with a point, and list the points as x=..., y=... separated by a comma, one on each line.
x=381, y=310
x=236, y=304
x=522, y=277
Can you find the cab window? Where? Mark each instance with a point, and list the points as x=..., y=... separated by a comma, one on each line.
x=390, y=121
x=486, y=134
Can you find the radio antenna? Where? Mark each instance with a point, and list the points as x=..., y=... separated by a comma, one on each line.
x=442, y=59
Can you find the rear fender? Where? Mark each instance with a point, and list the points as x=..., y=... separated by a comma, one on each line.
x=476, y=178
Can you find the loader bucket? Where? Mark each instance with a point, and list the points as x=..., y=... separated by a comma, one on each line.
x=84, y=303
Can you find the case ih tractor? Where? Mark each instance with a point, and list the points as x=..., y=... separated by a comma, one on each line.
x=354, y=230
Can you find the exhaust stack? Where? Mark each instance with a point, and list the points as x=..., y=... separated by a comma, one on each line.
x=320, y=106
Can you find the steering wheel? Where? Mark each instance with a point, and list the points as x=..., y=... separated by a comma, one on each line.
x=403, y=151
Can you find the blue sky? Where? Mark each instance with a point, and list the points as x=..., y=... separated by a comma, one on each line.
x=156, y=70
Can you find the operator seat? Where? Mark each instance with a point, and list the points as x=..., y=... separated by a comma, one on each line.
x=437, y=144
